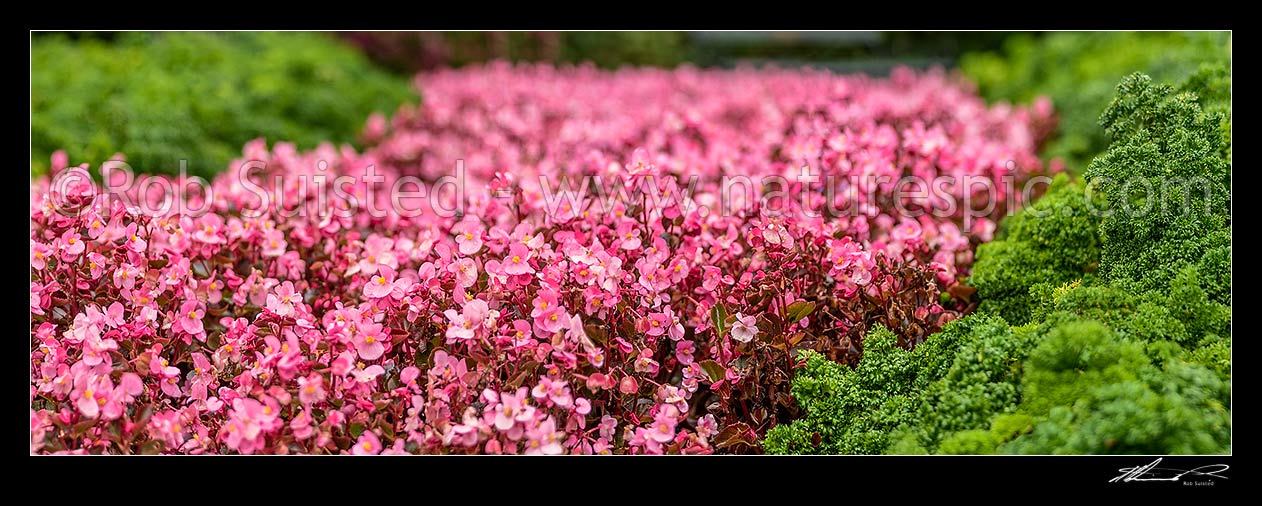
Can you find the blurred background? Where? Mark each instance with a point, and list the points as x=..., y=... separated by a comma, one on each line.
x=164, y=97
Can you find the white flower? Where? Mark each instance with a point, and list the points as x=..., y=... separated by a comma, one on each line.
x=744, y=328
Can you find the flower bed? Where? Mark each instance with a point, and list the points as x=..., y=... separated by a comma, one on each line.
x=659, y=312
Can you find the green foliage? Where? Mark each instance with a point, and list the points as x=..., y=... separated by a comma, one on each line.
x=956, y=379
x=1179, y=410
x=986, y=442
x=1072, y=359
x=852, y=410
x=1053, y=241
x=1078, y=72
x=160, y=98
x=1167, y=183
x=615, y=49
x=981, y=382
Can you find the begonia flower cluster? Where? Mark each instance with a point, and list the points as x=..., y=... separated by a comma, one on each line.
x=628, y=263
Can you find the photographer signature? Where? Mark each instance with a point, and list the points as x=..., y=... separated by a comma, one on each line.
x=1151, y=472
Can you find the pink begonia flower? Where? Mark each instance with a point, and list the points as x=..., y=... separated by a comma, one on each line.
x=744, y=328
x=662, y=429
x=469, y=321
x=640, y=163
x=40, y=253
x=544, y=439
x=370, y=341
x=130, y=386
x=707, y=426
x=311, y=389
x=125, y=276
x=282, y=301
x=301, y=425
x=202, y=376
x=367, y=374
x=645, y=363
x=556, y=391
x=466, y=271
x=378, y=252
x=550, y=321
x=71, y=245
x=861, y=276
x=133, y=239
x=343, y=364
x=513, y=409
x=97, y=263
x=517, y=261
x=684, y=352
x=409, y=374
x=190, y=318
x=114, y=315
x=244, y=428
x=91, y=393
x=96, y=350
x=380, y=285
x=468, y=235
x=367, y=444
x=658, y=323
x=170, y=382
x=274, y=244
x=582, y=406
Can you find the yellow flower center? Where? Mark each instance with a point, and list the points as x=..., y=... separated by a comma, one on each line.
x=87, y=394
x=516, y=259
x=367, y=445
x=192, y=314
x=370, y=339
